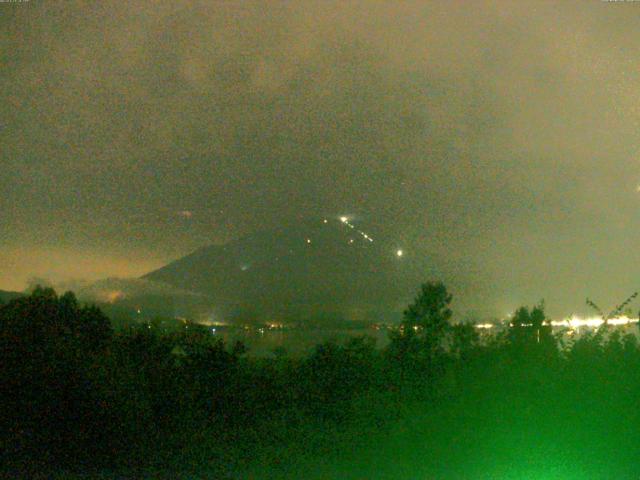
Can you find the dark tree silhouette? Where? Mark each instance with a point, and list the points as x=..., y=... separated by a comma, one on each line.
x=464, y=338
x=48, y=348
x=530, y=334
x=428, y=316
x=417, y=349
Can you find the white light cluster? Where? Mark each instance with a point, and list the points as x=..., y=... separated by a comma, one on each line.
x=345, y=220
x=577, y=322
x=484, y=325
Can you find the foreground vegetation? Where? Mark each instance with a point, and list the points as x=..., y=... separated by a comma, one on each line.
x=437, y=402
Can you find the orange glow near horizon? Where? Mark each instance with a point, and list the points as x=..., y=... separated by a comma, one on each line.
x=18, y=266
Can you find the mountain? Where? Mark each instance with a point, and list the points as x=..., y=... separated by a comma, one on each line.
x=144, y=298
x=8, y=296
x=320, y=269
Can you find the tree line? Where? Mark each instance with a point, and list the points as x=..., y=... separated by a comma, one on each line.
x=79, y=396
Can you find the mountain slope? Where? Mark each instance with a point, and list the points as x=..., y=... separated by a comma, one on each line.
x=8, y=296
x=310, y=269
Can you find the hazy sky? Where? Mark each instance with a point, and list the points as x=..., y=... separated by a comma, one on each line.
x=501, y=136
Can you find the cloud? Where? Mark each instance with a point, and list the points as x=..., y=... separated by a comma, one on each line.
x=501, y=133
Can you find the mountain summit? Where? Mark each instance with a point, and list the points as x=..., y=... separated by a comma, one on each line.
x=325, y=268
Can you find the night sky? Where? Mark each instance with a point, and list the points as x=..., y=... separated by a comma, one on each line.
x=500, y=136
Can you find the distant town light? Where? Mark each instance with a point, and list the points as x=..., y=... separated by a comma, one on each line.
x=399, y=253
x=344, y=219
x=484, y=325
